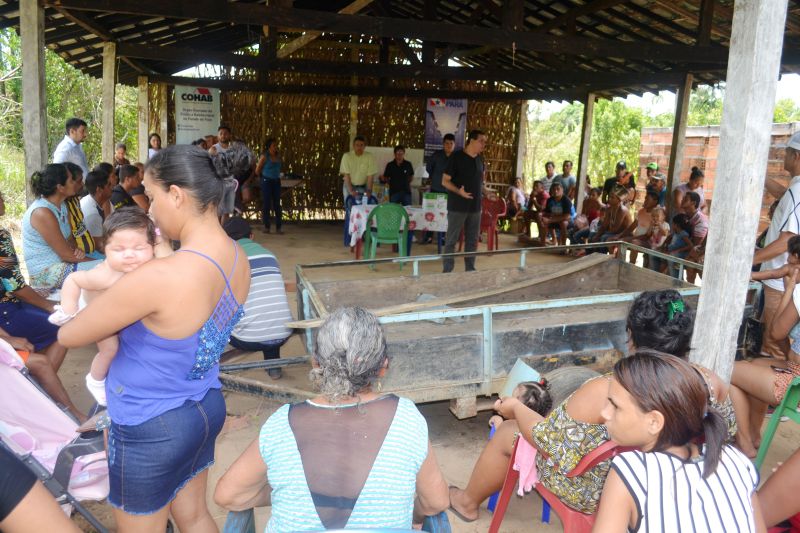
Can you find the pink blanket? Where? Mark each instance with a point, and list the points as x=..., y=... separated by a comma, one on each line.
x=525, y=464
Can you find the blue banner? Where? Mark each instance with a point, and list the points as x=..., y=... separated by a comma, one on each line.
x=443, y=116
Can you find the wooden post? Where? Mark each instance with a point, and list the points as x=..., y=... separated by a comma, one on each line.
x=34, y=108
x=163, y=113
x=753, y=67
x=522, y=141
x=583, y=157
x=678, y=136
x=109, y=95
x=143, y=117
x=354, y=103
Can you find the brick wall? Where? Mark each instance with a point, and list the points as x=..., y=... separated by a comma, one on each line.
x=701, y=150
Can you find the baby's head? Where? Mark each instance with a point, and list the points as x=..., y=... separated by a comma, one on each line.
x=793, y=247
x=130, y=237
x=658, y=216
x=534, y=395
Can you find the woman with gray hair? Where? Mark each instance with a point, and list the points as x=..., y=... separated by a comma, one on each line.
x=349, y=457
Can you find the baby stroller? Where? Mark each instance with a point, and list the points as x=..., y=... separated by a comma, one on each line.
x=72, y=466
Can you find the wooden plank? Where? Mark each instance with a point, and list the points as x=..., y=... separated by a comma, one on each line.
x=346, y=90
x=678, y=137
x=108, y=102
x=34, y=110
x=705, y=23
x=396, y=28
x=757, y=38
x=583, y=154
x=303, y=40
x=385, y=70
x=575, y=12
x=577, y=265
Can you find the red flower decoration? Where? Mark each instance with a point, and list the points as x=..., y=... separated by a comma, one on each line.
x=429, y=216
x=412, y=225
x=358, y=216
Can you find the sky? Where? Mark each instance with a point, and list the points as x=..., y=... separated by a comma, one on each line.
x=664, y=102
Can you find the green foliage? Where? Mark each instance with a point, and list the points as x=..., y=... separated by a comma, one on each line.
x=70, y=93
x=616, y=130
x=786, y=111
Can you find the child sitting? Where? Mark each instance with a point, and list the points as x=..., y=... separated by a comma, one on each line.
x=679, y=244
x=536, y=204
x=557, y=215
x=130, y=242
x=534, y=395
x=637, y=232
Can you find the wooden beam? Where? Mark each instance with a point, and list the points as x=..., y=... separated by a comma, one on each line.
x=521, y=143
x=100, y=32
x=108, y=103
x=163, y=112
x=755, y=59
x=347, y=90
x=675, y=7
x=34, y=107
x=396, y=28
x=705, y=23
x=682, y=97
x=586, y=141
x=142, y=117
x=373, y=70
x=308, y=37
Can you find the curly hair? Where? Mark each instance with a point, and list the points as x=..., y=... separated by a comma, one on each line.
x=350, y=351
x=651, y=326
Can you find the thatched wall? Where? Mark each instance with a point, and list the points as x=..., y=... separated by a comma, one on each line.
x=313, y=131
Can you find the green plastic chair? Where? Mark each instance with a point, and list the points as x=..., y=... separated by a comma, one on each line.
x=788, y=408
x=391, y=221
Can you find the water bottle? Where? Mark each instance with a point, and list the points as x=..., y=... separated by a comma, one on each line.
x=364, y=199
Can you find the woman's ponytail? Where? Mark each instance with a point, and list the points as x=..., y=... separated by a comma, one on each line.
x=715, y=431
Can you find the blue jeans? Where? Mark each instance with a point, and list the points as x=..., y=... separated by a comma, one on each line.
x=402, y=197
x=271, y=201
x=270, y=349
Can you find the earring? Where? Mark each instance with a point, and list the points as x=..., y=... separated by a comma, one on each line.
x=379, y=386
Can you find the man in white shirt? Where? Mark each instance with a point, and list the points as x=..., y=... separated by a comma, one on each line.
x=96, y=205
x=69, y=150
x=785, y=225
x=224, y=144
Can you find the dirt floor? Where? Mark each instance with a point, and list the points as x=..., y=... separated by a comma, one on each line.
x=457, y=443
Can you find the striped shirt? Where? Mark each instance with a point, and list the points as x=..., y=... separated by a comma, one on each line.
x=83, y=239
x=267, y=308
x=387, y=499
x=671, y=495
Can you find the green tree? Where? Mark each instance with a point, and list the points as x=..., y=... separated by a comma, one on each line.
x=786, y=111
x=616, y=136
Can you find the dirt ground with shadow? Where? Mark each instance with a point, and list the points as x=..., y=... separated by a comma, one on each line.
x=457, y=443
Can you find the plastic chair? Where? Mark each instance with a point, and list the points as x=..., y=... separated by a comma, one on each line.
x=391, y=221
x=572, y=520
x=491, y=211
x=788, y=408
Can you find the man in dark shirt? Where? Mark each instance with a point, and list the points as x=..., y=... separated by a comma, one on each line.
x=610, y=183
x=128, y=180
x=438, y=162
x=399, y=174
x=463, y=179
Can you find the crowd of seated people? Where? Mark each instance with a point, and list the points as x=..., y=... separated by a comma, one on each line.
x=611, y=213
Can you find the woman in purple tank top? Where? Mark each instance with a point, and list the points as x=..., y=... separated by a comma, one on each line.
x=173, y=316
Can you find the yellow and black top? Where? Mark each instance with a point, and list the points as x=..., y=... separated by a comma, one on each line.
x=83, y=238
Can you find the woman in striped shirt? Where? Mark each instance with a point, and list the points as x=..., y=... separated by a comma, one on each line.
x=658, y=404
x=351, y=457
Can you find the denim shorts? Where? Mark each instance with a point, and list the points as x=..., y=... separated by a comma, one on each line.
x=150, y=462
